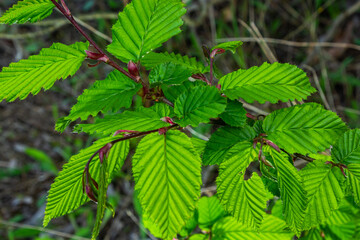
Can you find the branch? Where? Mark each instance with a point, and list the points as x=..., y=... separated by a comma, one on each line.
x=65, y=11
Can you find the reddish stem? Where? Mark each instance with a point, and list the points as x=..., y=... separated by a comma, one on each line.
x=66, y=12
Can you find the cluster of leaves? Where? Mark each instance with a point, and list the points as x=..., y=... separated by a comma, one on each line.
x=320, y=199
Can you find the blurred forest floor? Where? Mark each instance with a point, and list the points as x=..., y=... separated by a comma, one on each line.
x=320, y=36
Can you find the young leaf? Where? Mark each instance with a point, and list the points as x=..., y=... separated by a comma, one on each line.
x=66, y=193
x=230, y=46
x=269, y=82
x=190, y=225
x=198, y=106
x=243, y=199
x=111, y=94
x=27, y=11
x=347, y=148
x=153, y=59
x=341, y=224
x=354, y=180
x=272, y=228
x=324, y=192
x=306, y=128
x=143, y=119
x=235, y=114
x=224, y=139
x=172, y=92
x=292, y=191
x=210, y=210
x=169, y=73
x=199, y=145
x=167, y=173
x=101, y=205
x=41, y=71
x=143, y=26
x=347, y=151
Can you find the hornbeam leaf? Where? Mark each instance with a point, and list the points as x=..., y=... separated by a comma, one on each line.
x=143, y=26
x=222, y=140
x=353, y=180
x=292, y=191
x=324, y=192
x=210, y=210
x=269, y=82
x=243, y=199
x=230, y=46
x=66, y=193
x=167, y=173
x=306, y=128
x=347, y=151
x=272, y=228
x=27, y=11
x=172, y=92
x=168, y=73
x=198, y=106
x=111, y=94
x=347, y=148
x=153, y=59
x=41, y=71
x=101, y=205
x=143, y=119
x=235, y=114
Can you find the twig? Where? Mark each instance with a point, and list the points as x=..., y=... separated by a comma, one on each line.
x=195, y=133
x=349, y=110
x=78, y=27
x=94, y=30
x=318, y=86
x=262, y=44
x=254, y=109
x=137, y=222
x=53, y=232
x=293, y=43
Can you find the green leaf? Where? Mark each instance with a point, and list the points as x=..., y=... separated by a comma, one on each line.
x=230, y=46
x=313, y=234
x=292, y=191
x=199, y=145
x=269, y=82
x=41, y=71
x=347, y=148
x=153, y=59
x=347, y=151
x=143, y=119
x=271, y=229
x=210, y=210
x=27, y=11
x=190, y=225
x=353, y=180
x=341, y=223
x=143, y=26
x=111, y=94
x=167, y=173
x=172, y=92
x=199, y=237
x=235, y=114
x=224, y=139
x=306, y=128
x=66, y=193
x=244, y=199
x=101, y=205
x=198, y=106
x=168, y=73
x=324, y=192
